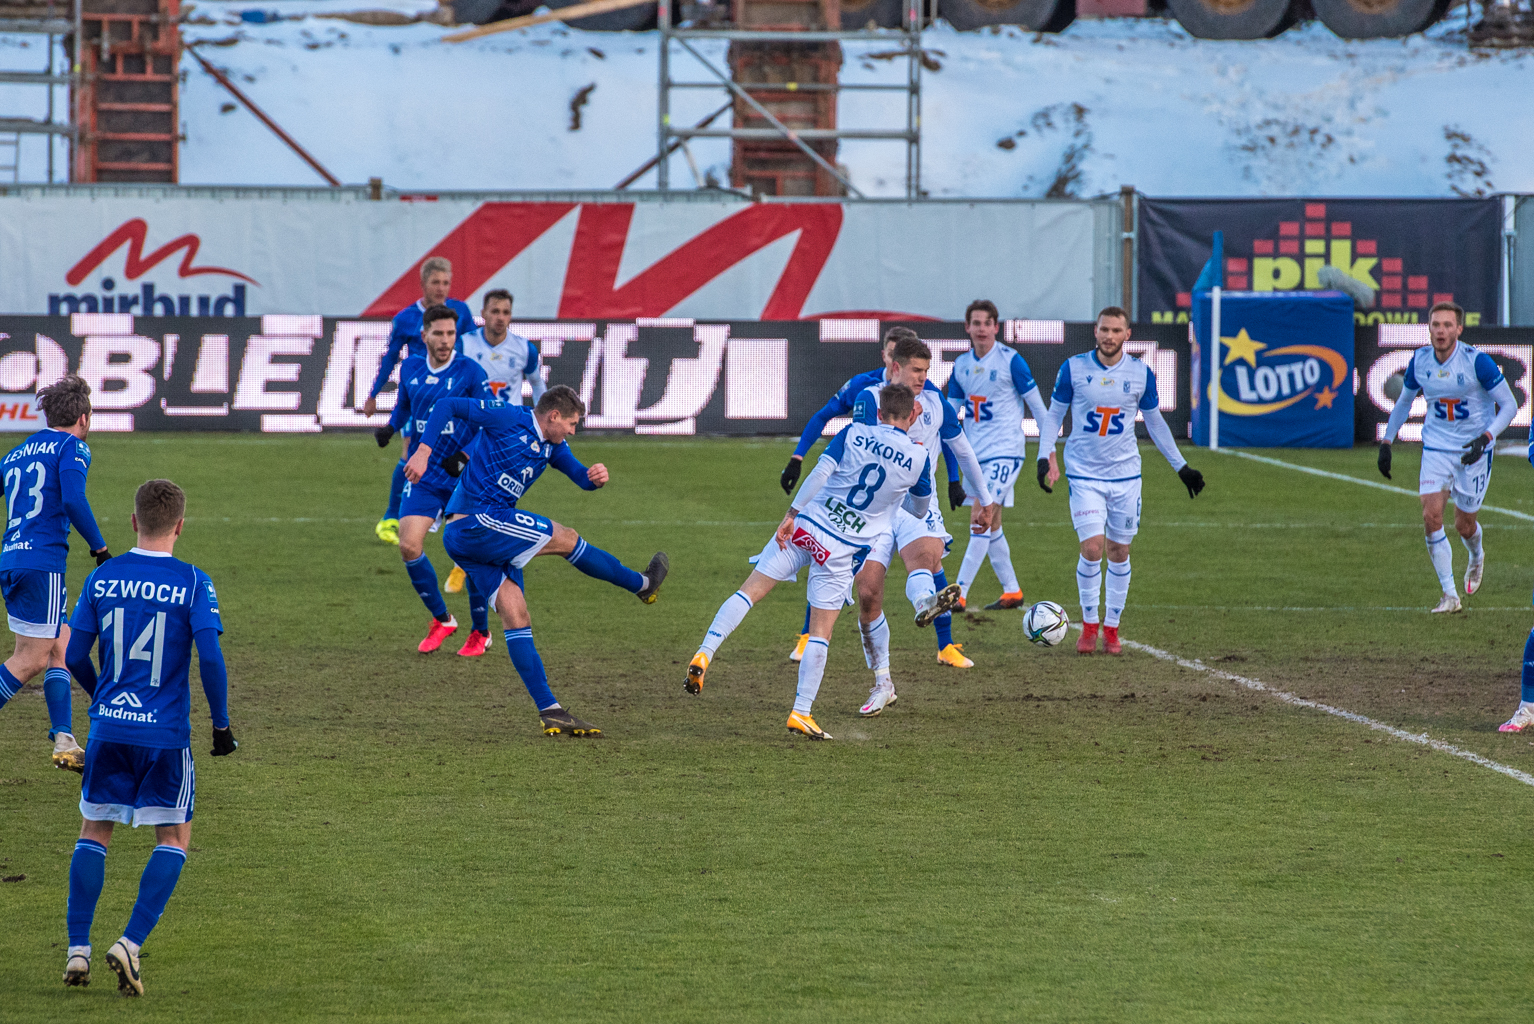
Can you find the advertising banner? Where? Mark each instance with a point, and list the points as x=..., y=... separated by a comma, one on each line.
x=197, y=256
x=1286, y=370
x=1412, y=252
x=287, y=374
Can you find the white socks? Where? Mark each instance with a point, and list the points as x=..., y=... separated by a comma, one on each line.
x=1118, y=591
x=876, y=645
x=1473, y=545
x=1088, y=580
x=919, y=584
x=811, y=670
x=974, y=558
x=1001, y=562
x=993, y=545
x=730, y=615
x=1442, y=554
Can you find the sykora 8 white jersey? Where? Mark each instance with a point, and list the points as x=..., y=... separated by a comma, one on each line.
x=1460, y=406
x=875, y=465
x=507, y=365
x=1103, y=402
x=990, y=390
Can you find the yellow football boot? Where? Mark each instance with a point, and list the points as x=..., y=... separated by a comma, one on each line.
x=798, y=654
x=803, y=723
x=696, y=669
x=388, y=531
x=455, y=580
x=953, y=656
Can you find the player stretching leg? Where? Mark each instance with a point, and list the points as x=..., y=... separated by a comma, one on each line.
x=1468, y=405
x=840, y=514
x=990, y=384
x=45, y=493
x=150, y=609
x=1102, y=389
x=425, y=380
x=494, y=542
x=508, y=360
x=405, y=341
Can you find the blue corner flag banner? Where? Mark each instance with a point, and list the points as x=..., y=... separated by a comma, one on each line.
x=1286, y=369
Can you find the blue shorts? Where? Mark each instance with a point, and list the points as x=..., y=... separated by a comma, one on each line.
x=137, y=785
x=495, y=548
x=418, y=500
x=36, y=602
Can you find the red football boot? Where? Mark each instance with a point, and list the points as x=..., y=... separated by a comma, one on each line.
x=440, y=631
x=1111, y=643
x=1087, y=643
x=475, y=645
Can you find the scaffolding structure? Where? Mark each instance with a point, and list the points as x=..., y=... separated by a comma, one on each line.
x=783, y=82
x=55, y=21
x=126, y=107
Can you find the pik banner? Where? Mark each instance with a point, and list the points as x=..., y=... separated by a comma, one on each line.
x=1413, y=252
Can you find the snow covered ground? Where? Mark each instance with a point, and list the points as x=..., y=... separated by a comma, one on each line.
x=1104, y=104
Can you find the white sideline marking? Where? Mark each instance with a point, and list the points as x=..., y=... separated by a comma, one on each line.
x=1358, y=480
x=1300, y=702
x=1421, y=609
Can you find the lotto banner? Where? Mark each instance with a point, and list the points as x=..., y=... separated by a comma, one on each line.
x=286, y=374
x=1413, y=252
x=1286, y=370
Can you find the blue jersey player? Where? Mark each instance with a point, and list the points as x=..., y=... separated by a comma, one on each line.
x=44, y=494
x=149, y=609
x=425, y=380
x=495, y=538
x=405, y=341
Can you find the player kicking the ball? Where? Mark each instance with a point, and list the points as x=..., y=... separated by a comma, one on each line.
x=840, y=515
x=497, y=538
x=1468, y=405
x=1102, y=390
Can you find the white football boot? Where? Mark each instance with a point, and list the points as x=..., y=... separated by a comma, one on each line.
x=77, y=969
x=879, y=698
x=1473, y=576
x=933, y=605
x=1521, y=720
x=1450, y=604
x=124, y=961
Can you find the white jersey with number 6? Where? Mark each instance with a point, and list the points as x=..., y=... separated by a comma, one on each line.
x=1103, y=402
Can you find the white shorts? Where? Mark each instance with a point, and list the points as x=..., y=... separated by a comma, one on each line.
x=1000, y=478
x=1101, y=507
x=1442, y=471
x=832, y=559
x=908, y=528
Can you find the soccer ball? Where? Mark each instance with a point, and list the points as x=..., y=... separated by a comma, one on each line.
x=1046, y=623
x=1393, y=385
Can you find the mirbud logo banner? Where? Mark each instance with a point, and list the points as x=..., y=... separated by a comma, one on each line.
x=1286, y=370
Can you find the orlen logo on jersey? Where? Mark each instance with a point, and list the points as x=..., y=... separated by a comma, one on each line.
x=146, y=300
x=1269, y=379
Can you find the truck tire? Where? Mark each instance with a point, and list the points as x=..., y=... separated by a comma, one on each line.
x=856, y=14
x=1035, y=15
x=1233, y=19
x=1377, y=19
x=630, y=19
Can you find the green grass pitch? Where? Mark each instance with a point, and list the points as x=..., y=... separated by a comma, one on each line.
x=1042, y=838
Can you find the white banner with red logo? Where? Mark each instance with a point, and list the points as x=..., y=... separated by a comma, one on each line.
x=202, y=256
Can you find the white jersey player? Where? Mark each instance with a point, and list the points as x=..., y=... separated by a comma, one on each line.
x=989, y=386
x=1103, y=390
x=843, y=509
x=1468, y=405
x=508, y=359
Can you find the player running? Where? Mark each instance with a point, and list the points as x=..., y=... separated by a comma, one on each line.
x=44, y=494
x=1102, y=390
x=497, y=539
x=922, y=540
x=405, y=341
x=989, y=384
x=1468, y=405
x=840, y=516
x=150, y=609
x=1523, y=718
x=424, y=381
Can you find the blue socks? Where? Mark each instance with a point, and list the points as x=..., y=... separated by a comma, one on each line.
x=595, y=562
x=87, y=872
x=61, y=716
x=1528, y=668
x=396, y=490
x=10, y=686
x=479, y=607
x=424, y=578
x=943, y=624
x=806, y=628
x=519, y=644
x=154, y=889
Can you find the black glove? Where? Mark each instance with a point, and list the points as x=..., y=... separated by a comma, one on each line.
x=224, y=742
x=101, y=556
x=1474, y=450
x=791, y=475
x=1044, y=472
x=1385, y=459
x=454, y=464
x=1192, y=479
x=382, y=435
x=956, y=495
